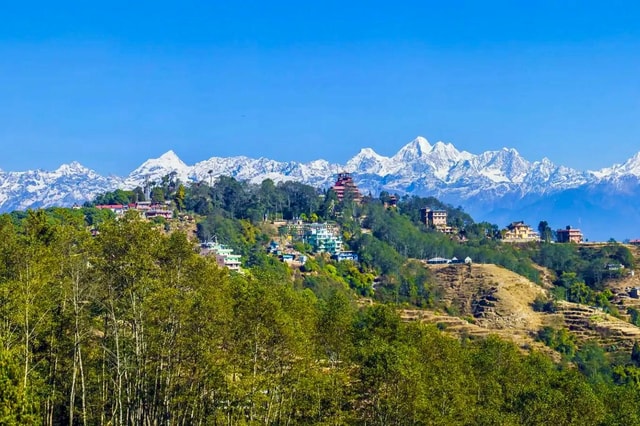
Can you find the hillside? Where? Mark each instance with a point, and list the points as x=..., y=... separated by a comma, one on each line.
x=141, y=328
x=487, y=299
x=326, y=334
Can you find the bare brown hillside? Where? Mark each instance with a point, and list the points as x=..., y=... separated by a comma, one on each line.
x=496, y=297
x=489, y=299
x=492, y=299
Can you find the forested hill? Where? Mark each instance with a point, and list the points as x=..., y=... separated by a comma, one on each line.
x=119, y=321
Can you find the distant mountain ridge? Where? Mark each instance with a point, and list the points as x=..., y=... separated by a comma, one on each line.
x=499, y=186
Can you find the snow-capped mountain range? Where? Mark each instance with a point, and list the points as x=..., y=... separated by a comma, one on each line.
x=499, y=186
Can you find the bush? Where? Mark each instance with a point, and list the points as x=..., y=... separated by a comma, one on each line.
x=559, y=339
x=542, y=304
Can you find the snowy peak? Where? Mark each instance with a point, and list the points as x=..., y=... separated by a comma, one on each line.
x=632, y=165
x=505, y=165
x=446, y=151
x=367, y=161
x=367, y=153
x=169, y=157
x=168, y=160
x=629, y=167
x=414, y=150
x=73, y=169
x=486, y=180
x=156, y=168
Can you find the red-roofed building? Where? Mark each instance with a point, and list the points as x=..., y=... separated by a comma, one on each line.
x=118, y=209
x=345, y=185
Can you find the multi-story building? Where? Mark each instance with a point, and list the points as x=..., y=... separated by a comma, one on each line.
x=519, y=232
x=569, y=235
x=344, y=185
x=434, y=218
x=150, y=209
x=323, y=238
x=224, y=255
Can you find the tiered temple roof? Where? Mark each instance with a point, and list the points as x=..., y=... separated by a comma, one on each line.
x=345, y=185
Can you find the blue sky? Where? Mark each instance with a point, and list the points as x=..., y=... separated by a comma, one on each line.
x=111, y=85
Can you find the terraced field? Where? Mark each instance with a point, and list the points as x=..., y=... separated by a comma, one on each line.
x=488, y=299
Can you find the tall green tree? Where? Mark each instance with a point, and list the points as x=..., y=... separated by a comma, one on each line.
x=545, y=231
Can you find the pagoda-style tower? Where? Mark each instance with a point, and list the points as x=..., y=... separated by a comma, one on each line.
x=345, y=185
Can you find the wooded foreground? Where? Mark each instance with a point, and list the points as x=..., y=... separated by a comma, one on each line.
x=133, y=327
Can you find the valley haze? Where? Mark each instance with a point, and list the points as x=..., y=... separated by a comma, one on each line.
x=496, y=186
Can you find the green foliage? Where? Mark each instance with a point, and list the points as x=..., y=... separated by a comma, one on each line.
x=635, y=354
x=134, y=327
x=180, y=196
x=578, y=292
x=119, y=196
x=157, y=195
x=302, y=247
x=559, y=293
x=558, y=339
x=592, y=362
x=329, y=276
x=412, y=284
x=411, y=205
x=546, y=234
x=586, y=263
x=571, y=288
x=16, y=408
x=542, y=304
x=240, y=235
x=377, y=254
x=94, y=217
x=635, y=316
x=396, y=234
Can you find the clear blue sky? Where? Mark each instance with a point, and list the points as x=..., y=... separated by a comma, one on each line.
x=111, y=85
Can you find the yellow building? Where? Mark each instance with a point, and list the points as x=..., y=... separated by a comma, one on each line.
x=519, y=232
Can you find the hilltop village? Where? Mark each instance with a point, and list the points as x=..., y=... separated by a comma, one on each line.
x=306, y=229
x=296, y=235
x=324, y=237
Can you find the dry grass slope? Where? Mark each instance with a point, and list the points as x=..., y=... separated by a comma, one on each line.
x=489, y=299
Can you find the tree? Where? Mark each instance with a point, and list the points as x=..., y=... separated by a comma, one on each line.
x=126, y=264
x=592, y=362
x=15, y=406
x=579, y=293
x=270, y=198
x=545, y=231
x=179, y=197
x=157, y=195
